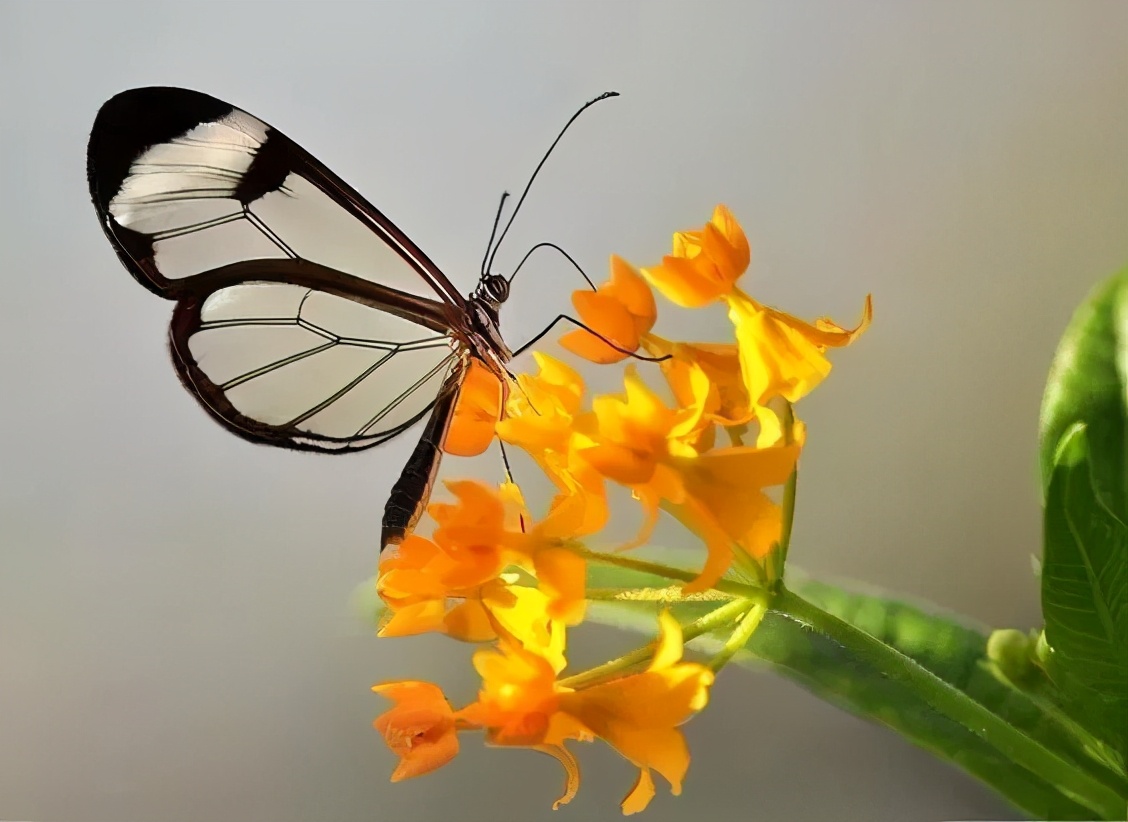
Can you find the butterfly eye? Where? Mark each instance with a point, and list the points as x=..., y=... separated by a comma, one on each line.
x=497, y=287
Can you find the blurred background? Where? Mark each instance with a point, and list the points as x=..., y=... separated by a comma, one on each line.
x=176, y=641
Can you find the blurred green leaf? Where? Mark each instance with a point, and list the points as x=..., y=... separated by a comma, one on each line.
x=949, y=648
x=1085, y=594
x=1087, y=384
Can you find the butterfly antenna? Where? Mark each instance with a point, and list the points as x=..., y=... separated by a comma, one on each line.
x=555, y=247
x=536, y=170
x=493, y=232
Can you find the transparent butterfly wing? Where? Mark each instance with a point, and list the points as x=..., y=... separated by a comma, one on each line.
x=304, y=317
x=290, y=365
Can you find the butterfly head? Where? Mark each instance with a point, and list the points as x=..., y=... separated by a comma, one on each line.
x=493, y=288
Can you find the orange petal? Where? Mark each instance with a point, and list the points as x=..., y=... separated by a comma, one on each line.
x=419, y=728
x=736, y=252
x=681, y=282
x=476, y=412
x=619, y=463
x=561, y=574
x=640, y=795
x=414, y=618
x=588, y=346
x=630, y=289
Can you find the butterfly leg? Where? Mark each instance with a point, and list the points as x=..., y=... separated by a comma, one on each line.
x=565, y=318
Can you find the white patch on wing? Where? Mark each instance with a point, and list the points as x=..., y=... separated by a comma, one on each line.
x=189, y=180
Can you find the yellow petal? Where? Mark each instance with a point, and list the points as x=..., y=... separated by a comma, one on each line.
x=782, y=356
x=669, y=649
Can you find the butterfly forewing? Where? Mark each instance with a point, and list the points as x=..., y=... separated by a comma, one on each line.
x=305, y=318
x=187, y=184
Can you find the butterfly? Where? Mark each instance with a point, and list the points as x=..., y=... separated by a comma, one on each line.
x=304, y=317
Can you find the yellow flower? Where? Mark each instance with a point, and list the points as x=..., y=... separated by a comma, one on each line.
x=622, y=310
x=638, y=714
x=705, y=264
x=420, y=728
x=781, y=355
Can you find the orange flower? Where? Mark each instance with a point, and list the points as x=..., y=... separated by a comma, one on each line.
x=542, y=418
x=725, y=505
x=705, y=264
x=780, y=355
x=420, y=728
x=414, y=584
x=523, y=704
x=638, y=714
x=541, y=411
x=728, y=403
x=471, y=532
x=622, y=310
x=642, y=444
x=478, y=537
x=476, y=412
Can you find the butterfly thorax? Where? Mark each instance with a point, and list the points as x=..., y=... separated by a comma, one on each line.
x=483, y=307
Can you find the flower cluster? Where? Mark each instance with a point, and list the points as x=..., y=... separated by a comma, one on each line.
x=709, y=445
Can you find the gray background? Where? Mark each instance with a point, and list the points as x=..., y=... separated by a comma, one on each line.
x=175, y=637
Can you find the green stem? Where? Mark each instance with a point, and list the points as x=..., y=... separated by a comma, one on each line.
x=954, y=704
x=740, y=636
x=725, y=586
x=712, y=621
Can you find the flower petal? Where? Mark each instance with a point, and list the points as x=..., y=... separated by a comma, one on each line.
x=640, y=794
x=476, y=412
x=782, y=356
x=561, y=574
x=419, y=728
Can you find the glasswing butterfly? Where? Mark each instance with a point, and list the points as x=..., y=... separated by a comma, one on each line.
x=304, y=317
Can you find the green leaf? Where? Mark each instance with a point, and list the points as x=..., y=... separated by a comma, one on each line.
x=1088, y=384
x=1085, y=593
x=952, y=650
